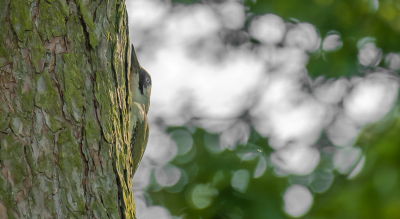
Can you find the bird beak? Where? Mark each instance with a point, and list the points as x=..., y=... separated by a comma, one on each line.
x=135, y=66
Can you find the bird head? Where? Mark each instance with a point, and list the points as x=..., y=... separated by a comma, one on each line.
x=145, y=87
x=140, y=83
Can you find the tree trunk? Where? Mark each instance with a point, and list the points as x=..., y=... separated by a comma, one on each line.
x=64, y=109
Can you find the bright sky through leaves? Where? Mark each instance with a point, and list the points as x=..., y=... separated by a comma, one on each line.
x=207, y=70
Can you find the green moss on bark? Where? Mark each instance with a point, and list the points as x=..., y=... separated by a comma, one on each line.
x=102, y=94
x=5, y=53
x=63, y=7
x=92, y=131
x=69, y=157
x=20, y=17
x=18, y=123
x=12, y=157
x=36, y=49
x=26, y=93
x=3, y=8
x=6, y=196
x=45, y=163
x=64, y=115
x=71, y=166
x=4, y=120
x=86, y=10
x=73, y=83
x=75, y=35
x=51, y=20
x=48, y=100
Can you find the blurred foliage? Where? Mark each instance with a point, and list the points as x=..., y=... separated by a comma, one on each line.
x=373, y=193
x=353, y=19
x=184, y=1
x=262, y=195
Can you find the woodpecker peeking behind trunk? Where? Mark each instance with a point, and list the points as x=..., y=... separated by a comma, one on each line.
x=140, y=87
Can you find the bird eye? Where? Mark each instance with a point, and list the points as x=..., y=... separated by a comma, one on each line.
x=148, y=80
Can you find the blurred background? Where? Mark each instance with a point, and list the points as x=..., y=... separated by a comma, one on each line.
x=269, y=109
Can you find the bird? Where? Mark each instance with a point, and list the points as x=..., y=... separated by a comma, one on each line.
x=140, y=87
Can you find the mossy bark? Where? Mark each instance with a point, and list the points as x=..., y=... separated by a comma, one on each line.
x=64, y=109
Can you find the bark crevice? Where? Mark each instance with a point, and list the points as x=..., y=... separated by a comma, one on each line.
x=120, y=198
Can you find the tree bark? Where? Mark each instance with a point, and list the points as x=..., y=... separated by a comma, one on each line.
x=64, y=109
